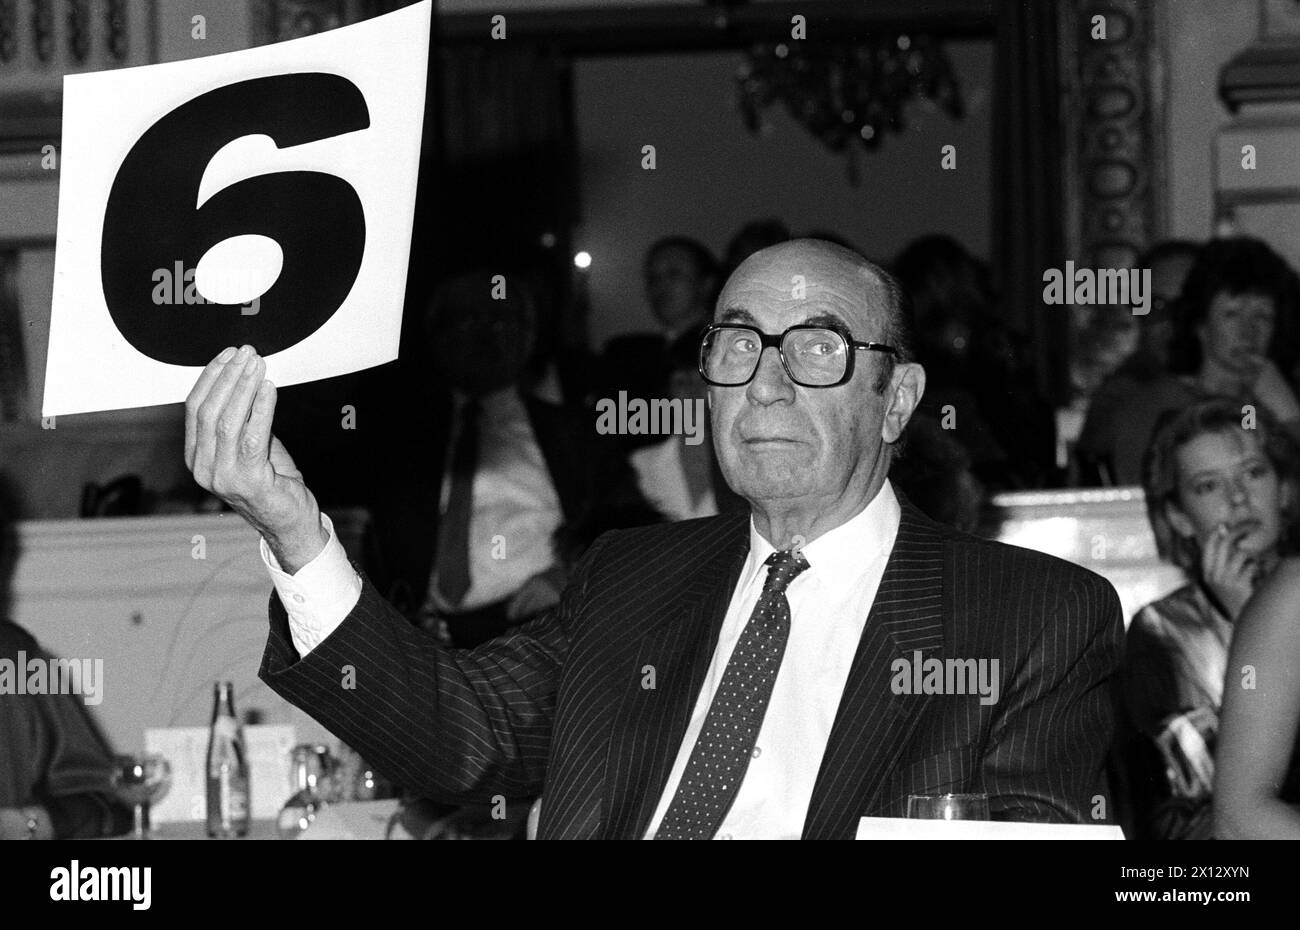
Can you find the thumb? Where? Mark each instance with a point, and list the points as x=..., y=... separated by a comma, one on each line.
x=282, y=461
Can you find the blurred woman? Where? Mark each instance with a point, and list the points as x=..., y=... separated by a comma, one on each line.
x=1219, y=490
x=1257, y=790
x=1234, y=336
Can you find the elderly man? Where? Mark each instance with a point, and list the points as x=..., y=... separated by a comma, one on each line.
x=736, y=676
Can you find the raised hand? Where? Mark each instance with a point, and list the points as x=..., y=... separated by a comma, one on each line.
x=1227, y=569
x=230, y=451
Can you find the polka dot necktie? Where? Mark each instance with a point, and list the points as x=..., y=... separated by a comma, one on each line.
x=721, y=755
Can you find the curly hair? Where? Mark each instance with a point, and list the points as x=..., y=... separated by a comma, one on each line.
x=1160, y=469
x=1236, y=266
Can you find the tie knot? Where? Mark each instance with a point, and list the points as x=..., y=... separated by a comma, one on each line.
x=783, y=567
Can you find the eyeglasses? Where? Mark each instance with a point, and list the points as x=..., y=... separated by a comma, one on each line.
x=813, y=356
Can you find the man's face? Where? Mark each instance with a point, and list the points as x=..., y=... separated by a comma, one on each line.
x=779, y=441
x=678, y=295
x=1237, y=331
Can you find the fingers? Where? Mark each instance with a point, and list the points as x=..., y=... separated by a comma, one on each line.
x=1237, y=558
x=256, y=441
x=1222, y=557
x=209, y=417
x=197, y=396
x=233, y=419
x=281, y=462
x=1213, y=553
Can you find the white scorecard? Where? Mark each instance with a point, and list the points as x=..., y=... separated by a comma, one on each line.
x=262, y=197
x=901, y=828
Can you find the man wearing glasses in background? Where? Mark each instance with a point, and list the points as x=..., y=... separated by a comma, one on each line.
x=736, y=676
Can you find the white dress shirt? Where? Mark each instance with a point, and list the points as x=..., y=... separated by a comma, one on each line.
x=661, y=476
x=319, y=595
x=515, y=510
x=829, y=603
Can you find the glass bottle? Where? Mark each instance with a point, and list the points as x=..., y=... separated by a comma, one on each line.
x=229, y=809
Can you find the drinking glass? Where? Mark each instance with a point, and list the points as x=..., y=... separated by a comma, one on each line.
x=140, y=781
x=311, y=771
x=948, y=806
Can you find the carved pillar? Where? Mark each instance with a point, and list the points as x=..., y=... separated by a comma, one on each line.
x=1114, y=169
x=40, y=42
x=279, y=20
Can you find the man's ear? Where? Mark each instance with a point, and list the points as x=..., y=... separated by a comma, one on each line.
x=905, y=390
x=1181, y=523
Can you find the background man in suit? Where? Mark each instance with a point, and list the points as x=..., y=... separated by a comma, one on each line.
x=729, y=676
x=680, y=282
x=480, y=475
x=682, y=480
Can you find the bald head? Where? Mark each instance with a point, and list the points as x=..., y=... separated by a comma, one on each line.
x=809, y=458
x=869, y=301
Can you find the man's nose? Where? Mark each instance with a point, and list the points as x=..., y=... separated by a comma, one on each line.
x=770, y=383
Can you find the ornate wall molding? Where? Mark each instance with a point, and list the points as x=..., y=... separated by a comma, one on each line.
x=42, y=40
x=8, y=30
x=42, y=30
x=281, y=20
x=1114, y=143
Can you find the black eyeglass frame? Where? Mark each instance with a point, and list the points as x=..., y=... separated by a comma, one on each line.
x=768, y=341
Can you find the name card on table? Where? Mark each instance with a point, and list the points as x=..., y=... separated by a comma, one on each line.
x=186, y=749
x=902, y=828
x=263, y=197
x=354, y=820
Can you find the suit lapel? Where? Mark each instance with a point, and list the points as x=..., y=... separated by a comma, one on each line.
x=872, y=723
x=651, y=722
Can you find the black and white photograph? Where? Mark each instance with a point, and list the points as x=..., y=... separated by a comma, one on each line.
x=649, y=419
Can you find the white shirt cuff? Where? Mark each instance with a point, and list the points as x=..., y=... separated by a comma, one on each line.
x=320, y=595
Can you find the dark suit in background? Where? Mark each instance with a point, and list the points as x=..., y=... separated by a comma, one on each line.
x=559, y=708
x=591, y=477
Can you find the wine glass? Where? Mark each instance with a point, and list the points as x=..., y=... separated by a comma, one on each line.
x=311, y=771
x=140, y=781
x=948, y=806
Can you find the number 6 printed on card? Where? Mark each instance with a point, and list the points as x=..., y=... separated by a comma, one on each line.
x=316, y=219
x=288, y=169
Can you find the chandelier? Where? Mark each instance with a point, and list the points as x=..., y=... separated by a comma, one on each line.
x=847, y=91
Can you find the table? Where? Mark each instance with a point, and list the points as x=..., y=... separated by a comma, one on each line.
x=198, y=830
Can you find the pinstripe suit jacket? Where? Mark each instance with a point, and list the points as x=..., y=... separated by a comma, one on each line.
x=562, y=708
